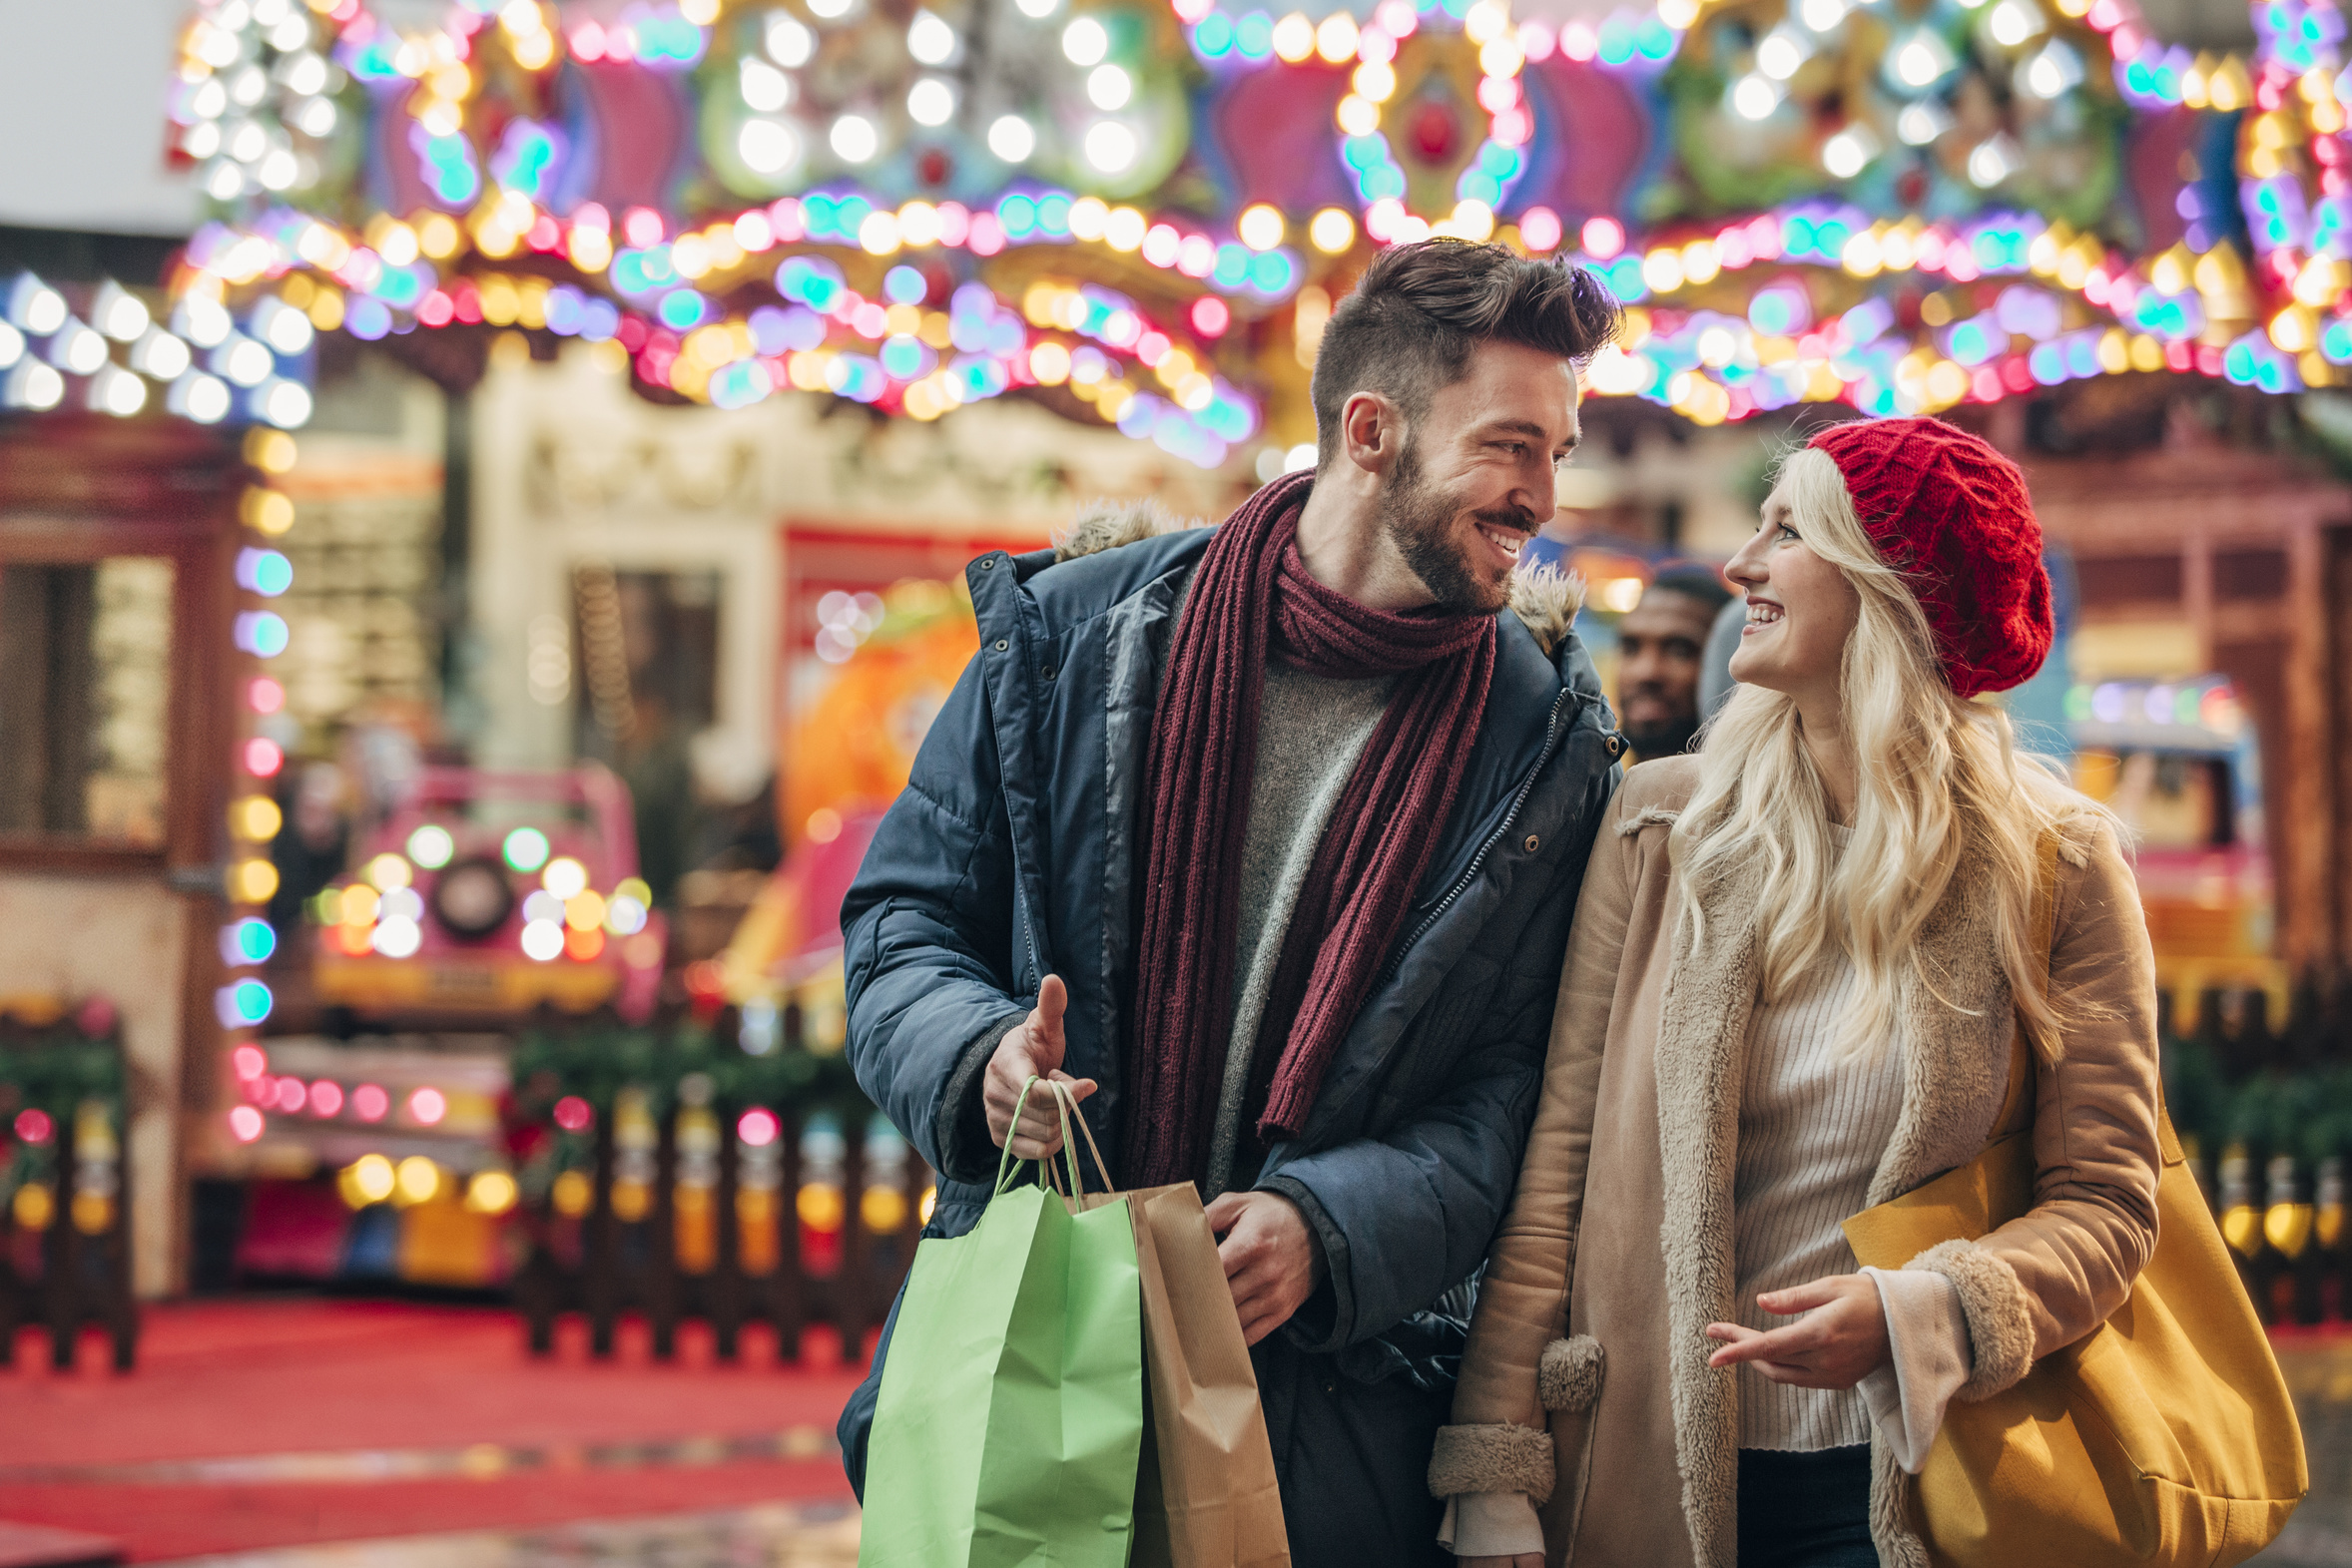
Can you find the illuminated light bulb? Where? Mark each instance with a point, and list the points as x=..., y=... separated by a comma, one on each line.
x=492, y=1192
x=223, y=180
x=280, y=170
x=2012, y=22
x=1012, y=139
x=1294, y=38
x=248, y=85
x=1357, y=116
x=200, y=140
x=256, y=818
x=286, y=404
x=246, y=140
x=790, y=44
x=1753, y=96
x=119, y=314
x=427, y=1105
x=1473, y=220
x=565, y=877
x=1332, y=231
x=244, y=1125
x=417, y=1179
x=1485, y=21
x=830, y=10
x=118, y=392
x=1848, y=153
x=931, y=40
x=1261, y=227
x=254, y=881
x=398, y=937
x=1501, y=57
x=36, y=307
x=12, y=346
x=1108, y=87
x=931, y=101
x=1375, y=81
x=525, y=849
x=584, y=912
x=1089, y=218
x=2053, y=69
x=1820, y=15
x=1084, y=42
x=1125, y=228
x=431, y=846
x=768, y=146
x=854, y=139
x=1920, y=59
x=1037, y=10
x=1991, y=161
x=194, y=396
x=284, y=328
x=626, y=916
x=764, y=89
x=1921, y=122
x=1110, y=147
x=79, y=349
x=542, y=941
x=386, y=871
x=1336, y=39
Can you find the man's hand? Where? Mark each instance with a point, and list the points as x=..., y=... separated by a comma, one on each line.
x=1272, y=1263
x=1034, y=1047
x=1840, y=1339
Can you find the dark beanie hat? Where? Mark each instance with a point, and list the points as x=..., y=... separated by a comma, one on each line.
x=1952, y=514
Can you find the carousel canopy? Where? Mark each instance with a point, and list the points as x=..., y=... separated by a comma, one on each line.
x=1139, y=214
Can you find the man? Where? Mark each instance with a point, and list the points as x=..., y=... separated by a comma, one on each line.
x=1267, y=838
x=1661, y=651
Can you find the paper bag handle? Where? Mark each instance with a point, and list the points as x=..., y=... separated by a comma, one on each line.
x=1045, y=1176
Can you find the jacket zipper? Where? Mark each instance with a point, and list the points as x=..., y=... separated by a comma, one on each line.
x=1478, y=860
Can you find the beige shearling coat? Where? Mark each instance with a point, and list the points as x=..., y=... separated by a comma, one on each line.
x=1586, y=1381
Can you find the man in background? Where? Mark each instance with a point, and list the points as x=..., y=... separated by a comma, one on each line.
x=1661, y=651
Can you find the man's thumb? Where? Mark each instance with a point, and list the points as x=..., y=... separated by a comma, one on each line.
x=1054, y=999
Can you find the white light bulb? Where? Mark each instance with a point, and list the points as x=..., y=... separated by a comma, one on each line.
x=1084, y=42
x=1110, y=147
x=788, y=43
x=32, y=385
x=77, y=349
x=211, y=101
x=243, y=362
x=290, y=34
x=277, y=169
x=118, y=392
x=854, y=139
x=2012, y=22
x=248, y=85
x=931, y=101
x=1109, y=87
x=929, y=38
x=1922, y=122
x=283, y=327
x=1991, y=161
x=1821, y=15
x=766, y=146
x=200, y=140
x=160, y=354
x=12, y=345
x=246, y=141
x=302, y=73
x=764, y=89
x=314, y=117
x=202, y=320
x=223, y=181
x=1919, y=61
x=1012, y=139
x=830, y=10
x=199, y=397
x=119, y=314
x=1037, y=10
x=286, y=404
x=1754, y=98
x=1848, y=153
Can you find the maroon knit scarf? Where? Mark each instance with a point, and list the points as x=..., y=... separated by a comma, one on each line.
x=1252, y=593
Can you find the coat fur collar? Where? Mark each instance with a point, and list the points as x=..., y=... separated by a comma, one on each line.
x=1546, y=601
x=1955, y=1061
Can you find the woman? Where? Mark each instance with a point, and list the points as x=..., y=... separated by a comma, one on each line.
x=1790, y=993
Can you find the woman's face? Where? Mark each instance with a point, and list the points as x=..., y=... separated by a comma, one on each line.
x=1801, y=609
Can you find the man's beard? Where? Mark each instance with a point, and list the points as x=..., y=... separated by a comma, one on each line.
x=1419, y=519
x=1670, y=738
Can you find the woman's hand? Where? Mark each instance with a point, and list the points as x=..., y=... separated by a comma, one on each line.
x=1840, y=1339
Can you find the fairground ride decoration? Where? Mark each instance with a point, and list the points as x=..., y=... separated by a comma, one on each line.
x=1139, y=214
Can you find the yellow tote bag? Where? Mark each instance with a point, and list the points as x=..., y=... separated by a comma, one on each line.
x=2165, y=1436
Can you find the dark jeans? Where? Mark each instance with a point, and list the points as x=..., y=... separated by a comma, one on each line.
x=1804, y=1510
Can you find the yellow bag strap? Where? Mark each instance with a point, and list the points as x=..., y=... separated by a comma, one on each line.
x=2016, y=1108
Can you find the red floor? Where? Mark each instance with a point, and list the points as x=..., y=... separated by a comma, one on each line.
x=232, y=1380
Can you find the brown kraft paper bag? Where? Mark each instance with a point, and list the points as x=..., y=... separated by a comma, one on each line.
x=1205, y=1495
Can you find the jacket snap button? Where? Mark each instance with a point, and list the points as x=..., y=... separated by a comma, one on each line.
x=989, y=565
x=1048, y=672
x=1533, y=842
x=1002, y=645
x=1613, y=744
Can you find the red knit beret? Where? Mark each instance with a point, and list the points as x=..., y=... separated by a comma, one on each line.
x=1952, y=514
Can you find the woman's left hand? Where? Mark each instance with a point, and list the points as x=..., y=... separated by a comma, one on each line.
x=1840, y=1339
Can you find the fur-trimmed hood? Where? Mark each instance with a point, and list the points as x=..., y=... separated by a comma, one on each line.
x=1544, y=600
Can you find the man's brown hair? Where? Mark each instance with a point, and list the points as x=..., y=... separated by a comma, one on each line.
x=1421, y=311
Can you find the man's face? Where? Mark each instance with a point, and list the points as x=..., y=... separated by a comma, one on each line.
x=1660, y=645
x=1474, y=479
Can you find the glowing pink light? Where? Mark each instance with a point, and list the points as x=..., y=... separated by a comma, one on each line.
x=34, y=1126
x=327, y=1098
x=1985, y=385
x=1151, y=348
x=955, y=222
x=1512, y=127
x=1375, y=46
x=1540, y=227
x=1381, y=217
x=1161, y=244
x=574, y=1114
x=1397, y=18
x=426, y=1106
x=1579, y=41
x=988, y=234
x=1190, y=11
x=1497, y=93
x=369, y=1103
x=592, y=216
x=265, y=695
x=1196, y=256
x=1209, y=317
x=290, y=1093
x=784, y=216
x=263, y=757
x=245, y=1123
x=1538, y=40
x=1604, y=238
x=758, y=1127
x=642, y=225
x=869, y=321
x=248, y=1062
x=588, y=42
x=262, y=1090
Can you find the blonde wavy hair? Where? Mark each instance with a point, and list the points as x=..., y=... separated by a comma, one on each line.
x=1938, y=777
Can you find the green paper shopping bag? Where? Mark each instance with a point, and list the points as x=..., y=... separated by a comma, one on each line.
x=1011, y=1419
